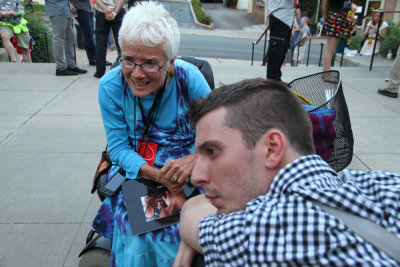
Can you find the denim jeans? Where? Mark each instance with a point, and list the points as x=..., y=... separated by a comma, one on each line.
x=86, y=23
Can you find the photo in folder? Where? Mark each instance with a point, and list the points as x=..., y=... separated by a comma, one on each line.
x=151, y=206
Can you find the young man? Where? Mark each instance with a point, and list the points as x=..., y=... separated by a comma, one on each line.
x=300, y=45
x=63, y=37
x=12, y=23
x=256, y=164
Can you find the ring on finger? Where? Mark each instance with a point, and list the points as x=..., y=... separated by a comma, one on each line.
x=175, y=178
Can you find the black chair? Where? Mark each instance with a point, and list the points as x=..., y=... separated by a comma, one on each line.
x=204, y=67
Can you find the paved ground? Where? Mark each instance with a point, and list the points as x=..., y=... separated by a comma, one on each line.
x=51, y=136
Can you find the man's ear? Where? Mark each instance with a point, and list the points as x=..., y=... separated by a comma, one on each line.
x=275, y=144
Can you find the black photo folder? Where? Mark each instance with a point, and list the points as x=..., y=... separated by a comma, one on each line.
x=151, y=206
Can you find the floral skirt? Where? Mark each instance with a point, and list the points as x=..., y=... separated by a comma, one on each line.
x=336, y=24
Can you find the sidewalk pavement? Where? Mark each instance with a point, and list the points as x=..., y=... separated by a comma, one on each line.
x=51, y=137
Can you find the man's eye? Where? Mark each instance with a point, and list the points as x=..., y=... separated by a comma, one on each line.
x=211, y=151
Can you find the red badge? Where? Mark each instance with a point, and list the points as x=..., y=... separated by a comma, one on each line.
x=148, y=151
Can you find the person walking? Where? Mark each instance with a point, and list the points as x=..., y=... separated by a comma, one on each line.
x=63, y=37
x=392, y=89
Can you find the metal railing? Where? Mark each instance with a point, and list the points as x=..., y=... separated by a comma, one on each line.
x=310, y=39
x=377, y=31
x=253, y=44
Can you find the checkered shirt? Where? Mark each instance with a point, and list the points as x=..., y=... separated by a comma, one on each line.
x=284, y=228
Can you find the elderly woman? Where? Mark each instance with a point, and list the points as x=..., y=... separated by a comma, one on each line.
x=143, y=104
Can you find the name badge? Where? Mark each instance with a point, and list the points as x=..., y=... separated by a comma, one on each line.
x=147, y=150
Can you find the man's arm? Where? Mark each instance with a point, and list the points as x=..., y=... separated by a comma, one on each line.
x=120, y=5
x=101, y=5
x=193, y=211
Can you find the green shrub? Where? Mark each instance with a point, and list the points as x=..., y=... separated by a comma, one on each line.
x=391, y=41
x=38, y=8
x=42, y=50
x=199, y=12
x=355, y=42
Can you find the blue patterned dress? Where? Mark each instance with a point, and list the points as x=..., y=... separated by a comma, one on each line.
x=174, y=137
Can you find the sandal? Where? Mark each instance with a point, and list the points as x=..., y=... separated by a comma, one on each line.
x=329, y=78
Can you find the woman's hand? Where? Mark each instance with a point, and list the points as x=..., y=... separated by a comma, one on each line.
x=185, y=256
x=175, y=174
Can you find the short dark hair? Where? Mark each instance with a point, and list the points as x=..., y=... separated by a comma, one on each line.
x=256, y=105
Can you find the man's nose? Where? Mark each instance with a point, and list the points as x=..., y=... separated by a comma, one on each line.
x=199, y=176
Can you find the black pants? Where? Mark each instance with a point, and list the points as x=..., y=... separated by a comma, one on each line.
x=278, y=46
x=85, y=20
x=103, y=27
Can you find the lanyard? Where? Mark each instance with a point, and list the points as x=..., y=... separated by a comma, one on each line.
x=152, y=116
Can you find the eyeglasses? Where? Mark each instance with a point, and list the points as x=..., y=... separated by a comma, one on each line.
x=146, y=67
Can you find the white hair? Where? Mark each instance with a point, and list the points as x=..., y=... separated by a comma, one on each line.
x=150, y=24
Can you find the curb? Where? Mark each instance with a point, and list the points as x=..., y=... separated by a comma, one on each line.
x=208, y=27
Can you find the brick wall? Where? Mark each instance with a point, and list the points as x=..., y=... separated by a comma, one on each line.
x=389, y=5
x=258, y=10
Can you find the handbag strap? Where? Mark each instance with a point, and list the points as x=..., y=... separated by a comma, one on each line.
x=375, y=234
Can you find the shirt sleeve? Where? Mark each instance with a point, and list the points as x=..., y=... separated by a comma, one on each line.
x=110, y=100
x=224, y=239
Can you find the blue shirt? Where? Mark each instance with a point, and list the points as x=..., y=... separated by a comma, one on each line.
x=284, y=228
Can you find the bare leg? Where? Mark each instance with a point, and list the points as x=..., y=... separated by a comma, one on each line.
x=5, y=37
x=331, y=44
x=26, y=55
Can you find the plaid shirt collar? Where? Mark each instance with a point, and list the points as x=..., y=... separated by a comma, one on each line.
x=302, y=170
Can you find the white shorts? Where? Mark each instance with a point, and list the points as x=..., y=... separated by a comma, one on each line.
x=301, y=53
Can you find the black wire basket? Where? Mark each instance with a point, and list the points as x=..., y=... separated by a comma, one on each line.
x=323, y=93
